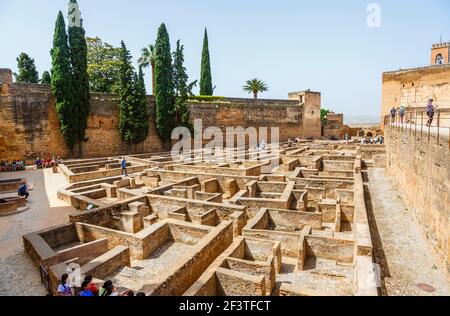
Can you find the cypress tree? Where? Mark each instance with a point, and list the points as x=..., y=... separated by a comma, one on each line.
x=46, y=79
x=80, y=81
x=126, y=94
x=206, y=87
x=164, y=93
x=181, y=87
x=27, y=70
x=141, y=109
x=61, y=82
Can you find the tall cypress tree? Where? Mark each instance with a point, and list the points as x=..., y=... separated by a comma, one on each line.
x=80, y=81
x=126, y=94
x=61, y=82
x=27, y=70
x=141, y=106
x=181, y=87
x=206, y=87
x=164, y=93
x=133, y=107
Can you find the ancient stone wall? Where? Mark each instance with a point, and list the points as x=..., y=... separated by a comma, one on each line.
x=420, y=167
x=30, y=126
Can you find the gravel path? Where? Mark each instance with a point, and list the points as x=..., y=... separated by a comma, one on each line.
x=408, y=266
x=18, y=275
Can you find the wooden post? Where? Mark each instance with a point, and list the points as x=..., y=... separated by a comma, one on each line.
x=421, y=126
x=438, y=125
x=415, y=124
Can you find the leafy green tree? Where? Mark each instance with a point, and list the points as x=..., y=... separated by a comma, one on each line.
x=324, y=114
x=164, y=89
x=27, y=70
x=61, y=83
x=206, y=87
x=46, y=78
x=180, y=79
x=80, y=81
x=255, y=86
x=103, y=66
x=146, y=60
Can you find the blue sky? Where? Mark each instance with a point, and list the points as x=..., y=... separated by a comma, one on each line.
x=291, y=44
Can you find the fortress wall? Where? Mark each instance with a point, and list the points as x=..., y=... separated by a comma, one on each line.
x=420, y=167
x=30, y=126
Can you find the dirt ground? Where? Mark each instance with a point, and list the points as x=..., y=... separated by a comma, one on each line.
x=18, y=275
x=408, y=266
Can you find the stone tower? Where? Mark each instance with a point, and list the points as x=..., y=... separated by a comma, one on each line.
x=440, y=54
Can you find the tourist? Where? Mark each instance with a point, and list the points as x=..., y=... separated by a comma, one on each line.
x=92, y=286
x=23, y=191
x=381, y=140
x=140, y=294
x=263, y=145
x=402, y=113
x=393, y=113
x=430, y=112
x=85, y=289
x=64, y=287
x=124, y=167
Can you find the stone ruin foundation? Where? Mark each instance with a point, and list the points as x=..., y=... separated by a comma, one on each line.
x=246, y=227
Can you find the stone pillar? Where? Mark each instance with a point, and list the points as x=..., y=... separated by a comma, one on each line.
x=139, y=207
x=132, y=222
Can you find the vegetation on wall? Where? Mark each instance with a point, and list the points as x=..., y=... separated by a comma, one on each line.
x=206, y=98
x=206, y=87
x=27, y=70
x=103, y=66
x=80, y=82
x=255, y=86
x=61, y=83
x=164, y=88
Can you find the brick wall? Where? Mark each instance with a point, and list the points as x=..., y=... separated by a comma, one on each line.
x=420, y=168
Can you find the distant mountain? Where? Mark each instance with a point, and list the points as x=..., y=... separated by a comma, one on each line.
x=362, y=120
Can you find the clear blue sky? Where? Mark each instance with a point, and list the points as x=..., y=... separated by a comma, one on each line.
x=291, y=44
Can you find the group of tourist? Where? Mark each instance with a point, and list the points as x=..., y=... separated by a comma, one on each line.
x=430, y=111
x=43, y=163
x=294, y=140
x=15, y=165
x=89, y=288
x=372, y=140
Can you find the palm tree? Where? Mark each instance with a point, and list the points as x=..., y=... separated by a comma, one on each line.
x=255, y=86
x=146, y=60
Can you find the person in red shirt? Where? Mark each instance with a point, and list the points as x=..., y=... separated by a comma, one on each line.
x=92, y=286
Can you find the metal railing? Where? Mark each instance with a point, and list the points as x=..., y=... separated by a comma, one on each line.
x=415, y=122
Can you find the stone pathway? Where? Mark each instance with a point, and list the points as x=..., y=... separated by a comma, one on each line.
x=18, y=275
x=408, y=266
